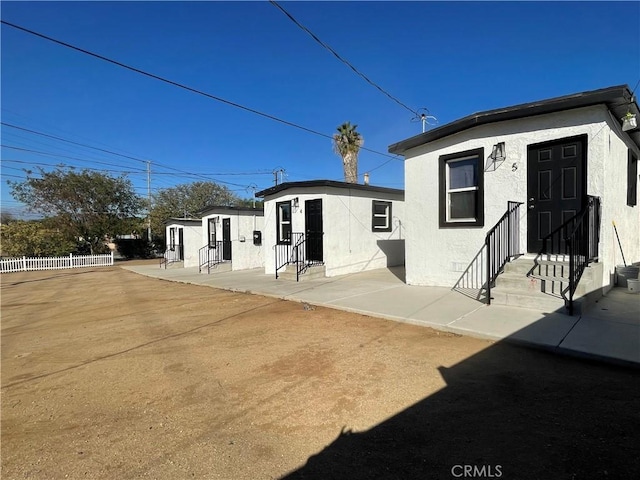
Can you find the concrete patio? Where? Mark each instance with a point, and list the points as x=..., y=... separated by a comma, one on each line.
x=609, y=330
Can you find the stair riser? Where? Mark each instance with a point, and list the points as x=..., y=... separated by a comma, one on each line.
x=219, y=268
x=549, y=304
x=531, y=284
x=309, y=274
x=546, y=270
x=526, y=301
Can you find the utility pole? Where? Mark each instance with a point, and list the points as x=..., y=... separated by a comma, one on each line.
x=275, y=175
x=253, y=189
x=149, y=201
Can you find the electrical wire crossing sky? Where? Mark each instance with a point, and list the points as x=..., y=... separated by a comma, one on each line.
x=235, y=91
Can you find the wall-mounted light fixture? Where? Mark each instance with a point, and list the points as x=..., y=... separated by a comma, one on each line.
x=497, y=156
x=296, y=202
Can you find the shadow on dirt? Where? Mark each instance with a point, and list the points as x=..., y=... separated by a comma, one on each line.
x=568, y=419
x=55, y=274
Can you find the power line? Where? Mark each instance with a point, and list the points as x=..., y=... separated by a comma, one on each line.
x=184, y=87
x=337, y=55
x=52, y=154
x=115, y=153
x=63, y=165
x=69, y=141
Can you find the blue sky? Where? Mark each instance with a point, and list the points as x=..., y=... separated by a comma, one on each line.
x=452, y=58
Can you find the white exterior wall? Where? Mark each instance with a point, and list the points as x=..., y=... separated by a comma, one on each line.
x=191, y=241
x=614, y=205
x=349, y=245
x=436, y=256
x=244, y=254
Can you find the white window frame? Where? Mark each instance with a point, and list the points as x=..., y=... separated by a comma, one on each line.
x=212, y=225
x=449, y=191
x=281, y=237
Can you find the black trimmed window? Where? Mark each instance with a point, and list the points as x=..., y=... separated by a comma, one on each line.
x=283, y=222
x=632, y=179
x=211, y=231
x=380, y=216
x=461, y=185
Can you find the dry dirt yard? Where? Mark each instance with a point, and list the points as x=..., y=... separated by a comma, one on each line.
x=107, y=374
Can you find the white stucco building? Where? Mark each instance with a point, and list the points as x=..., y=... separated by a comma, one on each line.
x=183, y=236
x=552, y=156
x=231, y=235
x=345, y=227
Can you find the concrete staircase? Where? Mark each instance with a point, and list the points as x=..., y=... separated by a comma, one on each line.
x=538, y=284
x=314, y=271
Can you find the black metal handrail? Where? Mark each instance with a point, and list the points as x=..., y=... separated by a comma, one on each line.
x=303, y=249
x=299, y=256
x=173, y=253
x=209, y=256
x=502, y=243
x=286, y=253
x=582, y=245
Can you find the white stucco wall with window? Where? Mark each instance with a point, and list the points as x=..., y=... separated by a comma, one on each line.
x=349, y=243
x=191, y=235
x=243, y=223
x=438, y=256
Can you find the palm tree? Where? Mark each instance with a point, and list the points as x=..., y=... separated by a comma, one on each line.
x=347, y=143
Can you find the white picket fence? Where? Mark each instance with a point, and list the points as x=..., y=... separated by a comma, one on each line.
x=24, y=264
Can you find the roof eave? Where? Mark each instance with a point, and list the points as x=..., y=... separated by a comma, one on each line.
x=612, y=97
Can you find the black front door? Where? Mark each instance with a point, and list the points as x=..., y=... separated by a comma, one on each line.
x=313, y=227
x=226, y=239
x=556, y=188
x=180, y=244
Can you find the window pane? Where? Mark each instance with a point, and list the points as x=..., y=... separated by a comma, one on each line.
x=463, y=173
x=379, y=209
x=463, y=205
x=285, y=232
x=380, y=221
x=285, y=212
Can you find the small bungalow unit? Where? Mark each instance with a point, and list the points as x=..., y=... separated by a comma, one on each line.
x=230, y=239
x=328, y=228
x=183, y=237
x=545, y=181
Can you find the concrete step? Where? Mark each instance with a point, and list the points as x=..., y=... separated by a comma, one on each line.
x=527, y=299
x=179, y=264
x=542, y=283
x=218, y=268
x=314, y=271
x=524, y=265
x=547, y=268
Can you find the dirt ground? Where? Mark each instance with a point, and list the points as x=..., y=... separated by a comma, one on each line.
x=107, y=374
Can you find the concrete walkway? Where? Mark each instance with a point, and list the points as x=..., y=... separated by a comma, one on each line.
x=609, y=330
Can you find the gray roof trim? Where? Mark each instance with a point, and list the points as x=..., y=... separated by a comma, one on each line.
x=185, y=221
x=618, y=100
x=327, y=183
x=259, y=210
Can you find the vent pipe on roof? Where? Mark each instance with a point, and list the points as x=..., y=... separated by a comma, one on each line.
x=366, y=179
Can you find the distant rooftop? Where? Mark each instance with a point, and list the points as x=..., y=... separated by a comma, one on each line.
x=326, y=183
x=226, y=208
